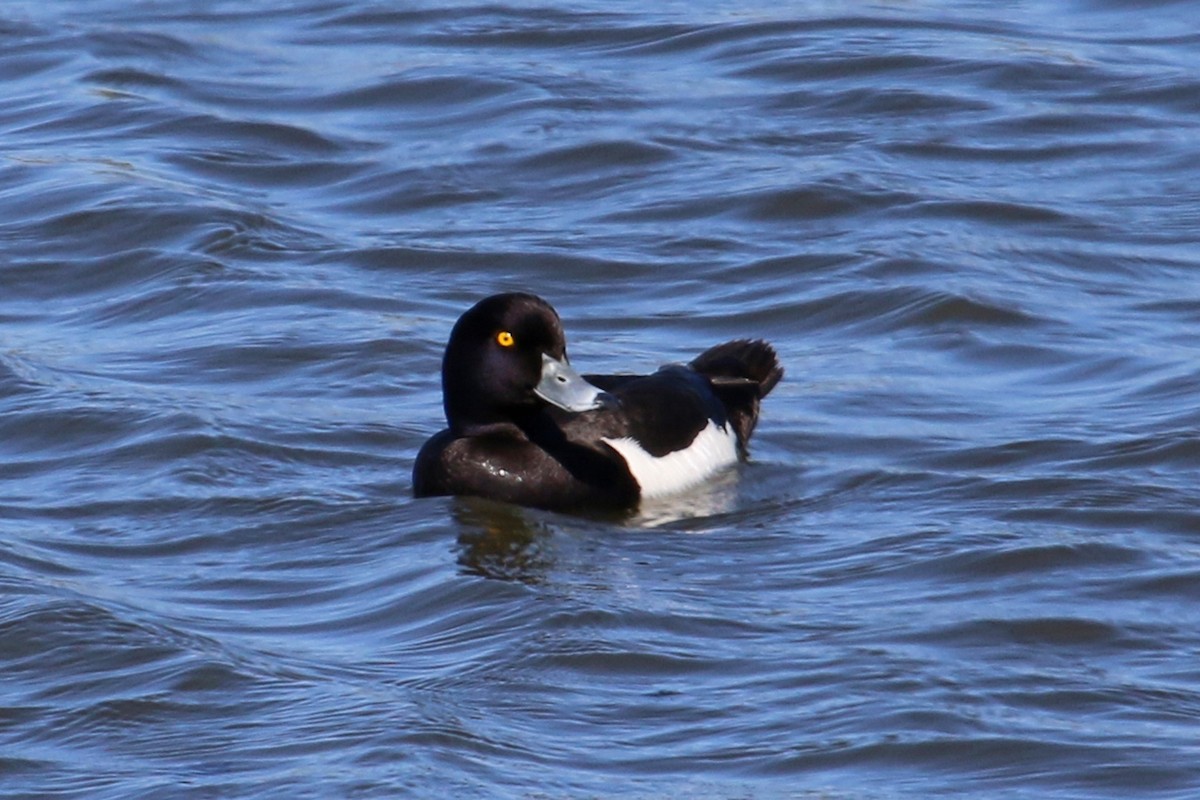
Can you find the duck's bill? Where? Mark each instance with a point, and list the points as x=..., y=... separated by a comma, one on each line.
x=562, y=386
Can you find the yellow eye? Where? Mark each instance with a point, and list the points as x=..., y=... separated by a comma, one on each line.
x=504, y=339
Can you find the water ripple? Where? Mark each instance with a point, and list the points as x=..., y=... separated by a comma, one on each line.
x=961, y=558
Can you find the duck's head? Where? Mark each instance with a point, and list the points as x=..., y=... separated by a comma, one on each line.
x=507, y=357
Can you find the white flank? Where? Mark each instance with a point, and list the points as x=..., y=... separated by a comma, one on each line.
x=713, y=448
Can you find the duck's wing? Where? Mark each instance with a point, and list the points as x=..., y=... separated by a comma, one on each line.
x=664, y=410
x=741, y=372
x=739, y=362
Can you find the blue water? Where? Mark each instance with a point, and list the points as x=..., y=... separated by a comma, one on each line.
x=963, y=561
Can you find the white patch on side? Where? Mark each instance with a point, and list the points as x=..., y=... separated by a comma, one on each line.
x=713, y=448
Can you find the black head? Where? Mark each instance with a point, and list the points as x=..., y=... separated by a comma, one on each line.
x=507, y=357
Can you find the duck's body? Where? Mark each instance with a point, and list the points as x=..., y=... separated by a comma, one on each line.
x=526, y=429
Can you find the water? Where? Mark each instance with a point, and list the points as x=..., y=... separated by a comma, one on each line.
x=965, y=560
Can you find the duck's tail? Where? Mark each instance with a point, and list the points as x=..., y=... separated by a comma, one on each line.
x=742, y=372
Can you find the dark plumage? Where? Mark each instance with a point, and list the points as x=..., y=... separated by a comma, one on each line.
x=525, y=428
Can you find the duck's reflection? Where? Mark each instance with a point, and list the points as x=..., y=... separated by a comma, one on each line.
x=508, y=542
x=714, y=498
x=502, y=541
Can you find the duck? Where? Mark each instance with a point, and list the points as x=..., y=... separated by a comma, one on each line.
x=524, y=427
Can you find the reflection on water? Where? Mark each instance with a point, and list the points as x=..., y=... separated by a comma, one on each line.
x=502, y=541
x=719, y=495
x=507, y=542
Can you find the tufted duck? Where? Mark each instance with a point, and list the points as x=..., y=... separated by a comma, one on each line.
x=526, y=428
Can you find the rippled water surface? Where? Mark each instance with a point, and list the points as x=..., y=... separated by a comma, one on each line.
x=964, y=560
